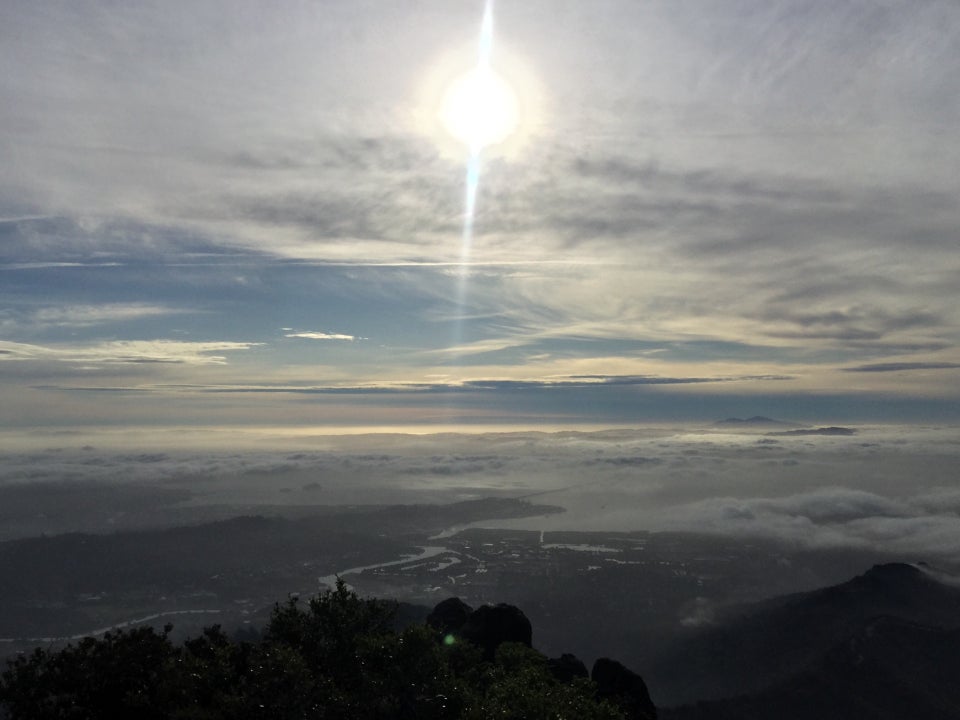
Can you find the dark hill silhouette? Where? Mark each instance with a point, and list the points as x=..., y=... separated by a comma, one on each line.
x=768, y=643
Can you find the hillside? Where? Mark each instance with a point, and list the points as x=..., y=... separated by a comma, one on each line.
x=883, y=645
x=888, y=670
x=886, y=639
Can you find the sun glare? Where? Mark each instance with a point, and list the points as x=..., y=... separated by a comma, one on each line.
x=481, y=98
x=479, y=109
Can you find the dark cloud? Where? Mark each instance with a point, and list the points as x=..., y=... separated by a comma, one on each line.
x=336, y=153
x=469, y=386
x=864, y=323
x=709, y=182
x=803, y=289
x=902, y=367
x=62, y=240
x=894, y=348
x=832, y=430
x=637, y=461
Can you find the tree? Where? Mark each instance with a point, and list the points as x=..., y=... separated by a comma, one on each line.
x=519, y=686
x=336, y=658
x=122, y=672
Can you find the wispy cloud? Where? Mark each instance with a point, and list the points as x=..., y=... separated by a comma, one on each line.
x=89, y=315
x=309, y=335
x=126, y=352
x=474, y=385
x=902, y=367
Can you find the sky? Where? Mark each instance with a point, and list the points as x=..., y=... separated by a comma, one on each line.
x=221, y=214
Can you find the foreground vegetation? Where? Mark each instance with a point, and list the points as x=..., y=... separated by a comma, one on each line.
x=334, y=657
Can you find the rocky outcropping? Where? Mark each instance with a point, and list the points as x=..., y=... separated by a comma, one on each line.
x=449, y=616
x=567, y=667
x=490, y=625
x=624, y=688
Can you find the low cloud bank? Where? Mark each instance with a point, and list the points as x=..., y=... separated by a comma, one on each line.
x=886, y=487
x=831, y=517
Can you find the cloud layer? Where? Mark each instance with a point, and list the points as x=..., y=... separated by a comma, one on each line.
x=889, y=487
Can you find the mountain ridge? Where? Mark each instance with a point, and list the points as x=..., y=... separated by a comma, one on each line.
x=765, y=649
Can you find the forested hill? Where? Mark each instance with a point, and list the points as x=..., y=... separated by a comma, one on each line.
x=883, y=645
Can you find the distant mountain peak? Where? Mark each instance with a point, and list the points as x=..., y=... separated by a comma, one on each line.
x=904, y=575
x=903, y=584
x=832, y=430
x=894, y=571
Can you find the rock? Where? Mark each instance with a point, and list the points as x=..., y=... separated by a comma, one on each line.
x=623, y=687
x=490, y=625
x=567, y=667
x=449, y=616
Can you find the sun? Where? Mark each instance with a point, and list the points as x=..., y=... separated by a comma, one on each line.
x=480, y=109
x=480, y=98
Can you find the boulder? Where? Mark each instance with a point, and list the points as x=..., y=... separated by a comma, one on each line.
x=449, y=616
x=567, y=667
x=490, y=625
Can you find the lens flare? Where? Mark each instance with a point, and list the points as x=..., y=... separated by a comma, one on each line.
x=476, y=133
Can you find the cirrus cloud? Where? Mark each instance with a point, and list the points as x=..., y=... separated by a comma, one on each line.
x=127, y=352
x=310, y=335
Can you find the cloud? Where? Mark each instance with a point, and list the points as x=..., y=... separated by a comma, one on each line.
x=894, y=492
x=320, y=336
x=862, y=323
x=624, y=462
x=902, y=367
x=477, y=385
x=831, y=517
x=89, y=315
x=943, y=500
x=778, y=201
x=834, y=505
x=122, y=352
